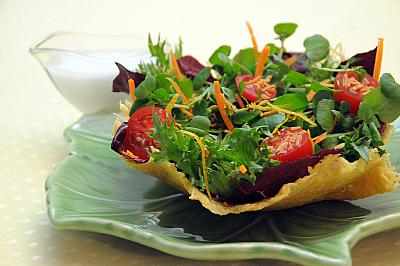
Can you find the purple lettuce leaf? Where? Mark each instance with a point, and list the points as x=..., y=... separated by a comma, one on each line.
x=120, y=82
x=269, y=182
x=299, y=65
x=366, y=60
x=190, y=67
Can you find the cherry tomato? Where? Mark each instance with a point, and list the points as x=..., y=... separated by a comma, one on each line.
x=251, y=90
x=290, y=144
x=140, y=123
x=352, y=89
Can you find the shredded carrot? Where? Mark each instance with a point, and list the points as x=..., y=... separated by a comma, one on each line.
x=291, y=60
x=253, y=80
x=243, y=169
x=239, y=100
x=310, y=95
x=221, y=106
x=186, y=112
x=175, y=66
x=281, y=124
x=378, y=59
x=132, y=87
x=178, y=90
x=203, y=157
x=253, y=39
x=261, y=61
x=171, y=103
x=282, y=110
x=129, y=154
x=320, y=138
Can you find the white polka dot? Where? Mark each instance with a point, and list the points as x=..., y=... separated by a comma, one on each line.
x=40, y=212
x=36, y=201
x=17, y=198
x=32, y=245
x=36, y=257
x=2, y=206
x=21, y=209
x=45, y=222
x=6, y=217
x=14, y=187
x=25, y=221
x=29, y=179
x=12, y=241
x=9, y=229
x=32, y=190
x=29, y=232
x=114, y=258
x=93, y=255
x=15, y=254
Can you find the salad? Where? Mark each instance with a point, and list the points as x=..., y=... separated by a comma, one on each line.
x=265, y=129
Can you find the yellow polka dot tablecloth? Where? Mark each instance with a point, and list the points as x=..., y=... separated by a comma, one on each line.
x=33, y=114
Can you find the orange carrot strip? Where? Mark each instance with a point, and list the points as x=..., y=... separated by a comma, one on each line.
x=178, y=90
x=320, y=138
x=310, y=95
x=240, y=101
x=221, y=106
x=291, y=60
x=129, y=154
x=378, y=59
x=253, y=39
x=132, y=87
x=261, y=61
x=243, y=169
x=175, y=66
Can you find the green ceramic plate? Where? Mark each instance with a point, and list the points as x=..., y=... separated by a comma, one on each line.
x=92, y=190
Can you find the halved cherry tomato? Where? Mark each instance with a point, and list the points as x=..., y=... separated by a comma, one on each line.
x=140, y=123
x=290, y=144
x=351, y=92
x=251, y=90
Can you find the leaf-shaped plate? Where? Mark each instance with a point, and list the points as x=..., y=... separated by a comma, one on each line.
x=93, y=190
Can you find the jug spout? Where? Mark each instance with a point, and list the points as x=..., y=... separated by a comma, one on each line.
x=82, y=66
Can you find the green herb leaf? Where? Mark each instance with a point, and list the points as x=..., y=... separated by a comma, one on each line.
x=146, y=87
x=201, y=122
x=365, y=111
x=387, y=109
x=201, y=78
x=324, y=114
x=316, y=86
x=244, y=116
x=223, y=49
x=186, y=86
x=246, y=58
x=292, y=101
x=285, y=30
x=162, y=82
x=295, y=78
x=161, y=94
x=390, y=88
x=317, y=47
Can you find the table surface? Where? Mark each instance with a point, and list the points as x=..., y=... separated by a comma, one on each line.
x=33, y=114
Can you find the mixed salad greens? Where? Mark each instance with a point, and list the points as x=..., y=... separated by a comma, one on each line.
x=230, y=121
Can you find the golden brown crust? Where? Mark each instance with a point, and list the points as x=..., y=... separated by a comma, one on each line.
x=332, y=178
